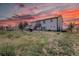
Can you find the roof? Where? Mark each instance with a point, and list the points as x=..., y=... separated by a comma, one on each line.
x=45, y=18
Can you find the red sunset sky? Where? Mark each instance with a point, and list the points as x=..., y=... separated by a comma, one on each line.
x=69, y=11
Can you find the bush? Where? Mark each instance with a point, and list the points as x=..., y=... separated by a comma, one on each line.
x=7, y=50
x=67, y=47
x=9, y=36
x=22, y=26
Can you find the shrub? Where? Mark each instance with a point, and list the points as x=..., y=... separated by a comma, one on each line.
x=7, y=50
x=22, y=26
x=9, y=36
x=67, y=46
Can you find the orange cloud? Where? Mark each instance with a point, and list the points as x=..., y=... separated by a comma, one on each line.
x=68, y=14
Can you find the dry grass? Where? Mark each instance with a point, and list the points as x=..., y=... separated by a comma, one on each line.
x=38, y=43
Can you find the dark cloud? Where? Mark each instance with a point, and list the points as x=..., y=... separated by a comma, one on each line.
x=7, y=10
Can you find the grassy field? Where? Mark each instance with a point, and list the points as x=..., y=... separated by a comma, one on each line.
x=14, y=43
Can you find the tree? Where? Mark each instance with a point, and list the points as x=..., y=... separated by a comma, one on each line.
x=71, y=26
x=22, y=26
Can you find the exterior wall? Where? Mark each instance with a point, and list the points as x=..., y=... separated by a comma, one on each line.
x=51, y=24
x=60, y=22
x=48, y=24
x=54, y=24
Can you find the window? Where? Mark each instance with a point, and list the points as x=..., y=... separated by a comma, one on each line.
x=44, y=21
x=51, y=20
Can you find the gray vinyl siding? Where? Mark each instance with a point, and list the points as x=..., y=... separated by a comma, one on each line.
x=50, y=25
